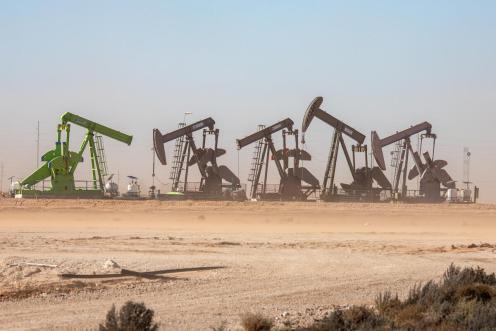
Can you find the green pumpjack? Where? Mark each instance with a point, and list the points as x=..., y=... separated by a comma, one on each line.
x=60, y=164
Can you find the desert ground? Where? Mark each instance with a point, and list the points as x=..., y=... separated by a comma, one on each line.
x=290, y=261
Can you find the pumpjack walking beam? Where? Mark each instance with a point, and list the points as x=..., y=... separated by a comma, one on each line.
x=264, y=133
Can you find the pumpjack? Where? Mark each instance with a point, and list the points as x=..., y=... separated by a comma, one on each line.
x=291, y=178
x=432, y=175
x=188, y=154
x=362, y=186
x=60, y=164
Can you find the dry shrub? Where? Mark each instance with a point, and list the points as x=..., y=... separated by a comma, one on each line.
x=456, y=276
x=256, y=322
x=465, y=299
x=386, y=301
x=355, y=318
x=478, y=292
x=131, y=317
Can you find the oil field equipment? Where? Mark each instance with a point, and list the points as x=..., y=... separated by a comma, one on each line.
x=111, y=188
x=469, y=193
x=187, y=154
x=431, y=173
x=291, y=178
x=363, y=178
x=133, y=188
x=60, y=164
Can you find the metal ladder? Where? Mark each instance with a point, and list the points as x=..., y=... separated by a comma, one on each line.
x=256, y=161
x=331, y=165
x=176, y=169
x=395, y=159
x=100, y=154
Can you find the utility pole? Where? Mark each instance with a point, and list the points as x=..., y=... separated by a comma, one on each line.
x=38, y=145
x=466, y=167
x=153, y=167
x=11, y=178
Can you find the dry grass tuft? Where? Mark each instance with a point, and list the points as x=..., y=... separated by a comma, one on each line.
x=256, y=322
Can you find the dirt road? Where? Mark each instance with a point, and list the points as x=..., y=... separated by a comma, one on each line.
x=296, y=258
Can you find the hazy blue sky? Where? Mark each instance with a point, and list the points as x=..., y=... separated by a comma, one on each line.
x=136, y=65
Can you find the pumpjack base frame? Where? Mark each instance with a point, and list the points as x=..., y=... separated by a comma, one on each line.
x=351, y=198
x=270, y=197
x=75, y=194
x=198, y=196
x=423, y=200
x=419, y=199
x=361, y=196
x=278, y=197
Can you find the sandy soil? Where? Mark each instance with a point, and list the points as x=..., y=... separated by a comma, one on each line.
x=290, y=261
